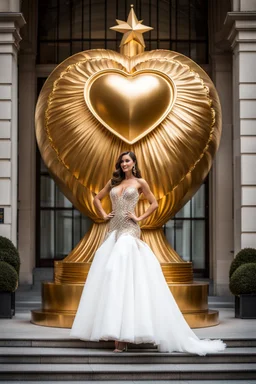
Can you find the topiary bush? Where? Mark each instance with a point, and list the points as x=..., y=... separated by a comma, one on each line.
x=9, y=253
x=243, y=279
x=246, y=255
x=8, y=277
x=10, y=258
x=6, y=243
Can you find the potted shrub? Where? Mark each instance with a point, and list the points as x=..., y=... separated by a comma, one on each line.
x=8, y=285
x=9, y=276
x=243, y=283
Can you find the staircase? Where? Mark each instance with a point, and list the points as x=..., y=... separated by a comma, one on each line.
x=29, y=353
x=65, y=360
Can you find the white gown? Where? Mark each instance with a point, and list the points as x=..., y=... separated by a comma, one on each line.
x=126, y=297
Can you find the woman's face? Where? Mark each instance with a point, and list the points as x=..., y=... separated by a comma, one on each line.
x=126, y=163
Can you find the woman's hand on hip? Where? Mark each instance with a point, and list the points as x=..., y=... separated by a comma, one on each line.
x=109, y=216
x=132, y=216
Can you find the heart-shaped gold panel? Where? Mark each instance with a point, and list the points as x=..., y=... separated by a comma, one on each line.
x=130, y=105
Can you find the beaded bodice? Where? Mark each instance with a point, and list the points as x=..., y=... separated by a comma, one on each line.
x=121, y=204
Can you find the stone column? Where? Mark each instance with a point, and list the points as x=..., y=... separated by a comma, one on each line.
x=221, y=180
x=222, y=184
x=241, y=31
x=27, y=143
x=11, y=20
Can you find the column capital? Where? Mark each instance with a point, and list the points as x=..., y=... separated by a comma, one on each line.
x=10, y=24
x=240, y=27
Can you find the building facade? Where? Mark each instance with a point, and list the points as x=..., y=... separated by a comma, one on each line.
x=220, y=35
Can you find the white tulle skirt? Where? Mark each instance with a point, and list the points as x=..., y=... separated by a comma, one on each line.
x=126, y=298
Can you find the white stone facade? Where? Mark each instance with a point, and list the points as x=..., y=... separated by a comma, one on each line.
x=11, y=20
x=233, y=177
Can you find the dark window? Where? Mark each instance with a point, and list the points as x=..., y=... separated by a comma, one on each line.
x=69, y=26
x=59, y=225
x=188, y=231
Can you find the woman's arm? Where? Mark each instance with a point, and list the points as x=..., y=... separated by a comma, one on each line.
x=97, y=201
x=150, y=197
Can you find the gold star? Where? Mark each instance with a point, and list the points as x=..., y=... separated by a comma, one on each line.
x=132, y=29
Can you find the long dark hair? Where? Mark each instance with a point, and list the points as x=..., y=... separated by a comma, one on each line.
x=119, y=175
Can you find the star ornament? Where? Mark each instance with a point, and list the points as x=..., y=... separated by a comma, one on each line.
x=132, y=29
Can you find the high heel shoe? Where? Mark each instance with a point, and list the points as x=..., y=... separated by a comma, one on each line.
x=118, y=350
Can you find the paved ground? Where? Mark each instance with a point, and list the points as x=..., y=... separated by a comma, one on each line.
x=19, y=327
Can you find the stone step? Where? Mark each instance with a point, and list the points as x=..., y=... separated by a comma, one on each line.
x=217, y=302
x=24, y=307
x=171, y=372
x=30, y=304
x=139, y=382
x=35, y=355
x=58, y=342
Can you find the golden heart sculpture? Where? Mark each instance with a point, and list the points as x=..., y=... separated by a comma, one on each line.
x=159, y=104
x=99, y=103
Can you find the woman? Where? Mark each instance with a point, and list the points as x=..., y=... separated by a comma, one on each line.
x=126, y=297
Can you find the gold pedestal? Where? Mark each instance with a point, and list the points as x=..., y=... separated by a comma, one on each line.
x=60, y=300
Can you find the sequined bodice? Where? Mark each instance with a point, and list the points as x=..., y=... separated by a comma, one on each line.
x=121, y=204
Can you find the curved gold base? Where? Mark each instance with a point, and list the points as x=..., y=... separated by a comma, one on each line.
x=67, y=273
x=64, y=319
x=190, y=297
x=177, y=272
x=60, y=302
x=205, y=319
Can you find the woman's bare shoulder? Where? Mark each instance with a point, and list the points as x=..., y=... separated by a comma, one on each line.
x=143, y=184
